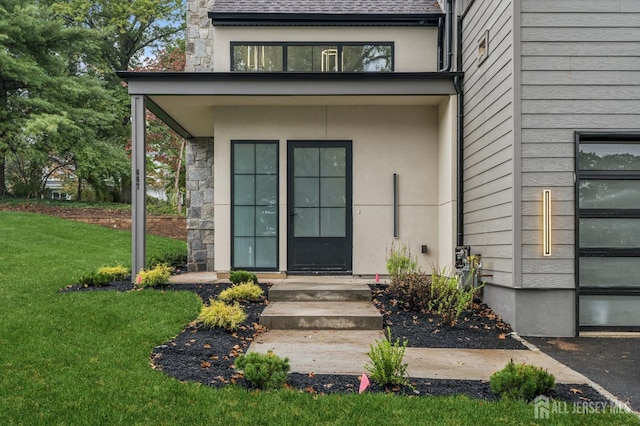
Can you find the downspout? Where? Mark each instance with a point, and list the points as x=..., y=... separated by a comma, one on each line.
x=458, y=83
x=448, y=37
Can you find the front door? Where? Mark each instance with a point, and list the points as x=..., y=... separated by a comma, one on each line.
x=319, y=206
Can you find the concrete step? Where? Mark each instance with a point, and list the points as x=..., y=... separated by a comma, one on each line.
x=321, y=316
x=319, y=291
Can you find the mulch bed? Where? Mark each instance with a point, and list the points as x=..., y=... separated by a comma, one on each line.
x=207, y=356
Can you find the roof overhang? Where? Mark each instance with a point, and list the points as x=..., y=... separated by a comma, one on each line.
x=323, y=19
x=186, y=101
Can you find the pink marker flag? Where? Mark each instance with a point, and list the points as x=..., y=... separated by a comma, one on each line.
x=364, y=383
x=377, y=278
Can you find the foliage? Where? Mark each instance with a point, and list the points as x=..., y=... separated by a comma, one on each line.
x=241, y=292
x=265, y=371
x=220, y=314
x=237, y=277
x=117, y=272
x=413, y=289
x=447, y=298
x=386, y=367
x=95, y=279
x=521, y=382
x=400, y=262
x=175, y=258
x=156, y=277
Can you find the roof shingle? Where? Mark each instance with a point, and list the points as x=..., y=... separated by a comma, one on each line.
x=361, y=7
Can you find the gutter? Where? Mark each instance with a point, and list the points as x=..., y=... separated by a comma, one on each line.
x=458, y=84
x=448, y=24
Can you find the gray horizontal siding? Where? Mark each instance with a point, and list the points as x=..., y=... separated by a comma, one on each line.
x=488, y=135
x=580, y=71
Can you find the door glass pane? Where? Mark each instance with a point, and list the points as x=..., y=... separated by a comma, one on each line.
x=257, y=58
x=609, y=233
x=333, y=162
x=306, y=222
x=312, y=58
x=333, y=222
x=367, y=58
x=266, y=159
x=243, y=158
x=333, y=192
x=306, y=162
x=609, y=156
x=609, y=194
x=609, y=272
x=244, y=221
x=609, y=310
x=266, y=252
x=266, y=190
x=243, y=252
x=243, y=189
x=267, y=221
x=306, y=192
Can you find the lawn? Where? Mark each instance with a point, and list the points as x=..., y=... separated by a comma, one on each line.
x=83, y=358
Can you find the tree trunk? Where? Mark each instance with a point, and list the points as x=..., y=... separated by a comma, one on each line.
x=3, y=184
x=79, y=189
x=176, y=183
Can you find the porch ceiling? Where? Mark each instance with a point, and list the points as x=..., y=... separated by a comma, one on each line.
x=186, y=101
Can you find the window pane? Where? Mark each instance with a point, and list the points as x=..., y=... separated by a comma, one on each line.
x=307, y=223
x=609, y=310
x=609, y=156
x=266, y=158
x=367, y=58
x=266, y=252
x=312, y=58
x=243, y=190
x=609, y=272
x=243, y=158
x=333, y=162
x=243, y=252
x=332, y=192
x=257, y=58
x=306, y=192
x=244, y=221
x=609, y=233
x=266, y=190
x=610, y=194
x=266, y=221
x=333, y=222
x=306, y=162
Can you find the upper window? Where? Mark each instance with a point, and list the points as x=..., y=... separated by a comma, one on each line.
x=312, y=57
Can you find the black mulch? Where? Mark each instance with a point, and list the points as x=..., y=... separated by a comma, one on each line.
x=203, y=355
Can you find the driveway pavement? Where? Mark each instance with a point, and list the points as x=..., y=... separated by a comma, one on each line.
x=613, y=363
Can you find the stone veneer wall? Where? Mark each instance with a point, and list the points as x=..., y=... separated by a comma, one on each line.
x=200, y=226
x=199, y=36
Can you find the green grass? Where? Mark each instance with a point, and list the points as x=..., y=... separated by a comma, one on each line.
x=83, y=358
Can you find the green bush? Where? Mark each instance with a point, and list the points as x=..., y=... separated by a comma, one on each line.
x=117, y=272
x=265, y=371
x=386, y=367
x=246, y=291
x=95, y=279
x=219, y=314
x=447, y=298
x=238, y=277
x=156, y=277
x=175, y=258
x=413, y=289
x=521, y=381
x=400, y=262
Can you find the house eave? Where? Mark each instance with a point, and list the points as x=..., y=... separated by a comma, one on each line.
x=323, y=19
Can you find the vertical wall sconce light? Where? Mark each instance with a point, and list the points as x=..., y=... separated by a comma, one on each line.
x=546, y=222
x=396, y=207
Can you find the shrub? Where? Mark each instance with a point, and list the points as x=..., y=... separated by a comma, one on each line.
x=156, y=277
x=237, y=277
x=413, y=289
x=521, y=381
x=265, y=371
x=246, y=291
x=176, y=258
x=400, y=262
x=386, y=367
x=447, y=298
x=95, y=279
x=219, y=314
x=117, y=272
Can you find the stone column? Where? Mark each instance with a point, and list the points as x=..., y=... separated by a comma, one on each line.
x=200, y=225
x=199, y=47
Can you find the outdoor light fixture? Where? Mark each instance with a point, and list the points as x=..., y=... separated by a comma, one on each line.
x=546, y=222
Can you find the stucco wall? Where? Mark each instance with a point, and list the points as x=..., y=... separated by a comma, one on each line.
x=386, y=140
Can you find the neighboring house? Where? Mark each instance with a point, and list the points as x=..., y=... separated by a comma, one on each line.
x=321, y=132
